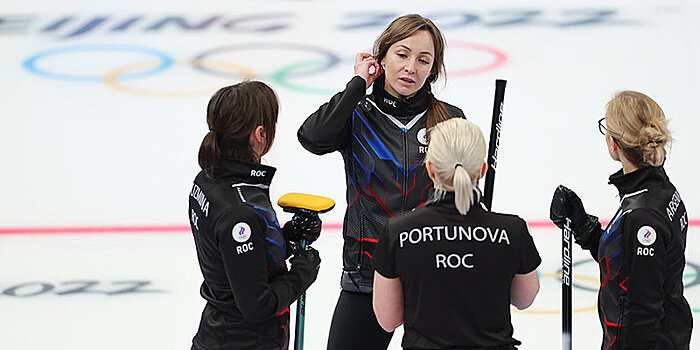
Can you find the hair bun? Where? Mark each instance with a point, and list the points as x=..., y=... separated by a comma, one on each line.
x=639, y=126
x=653, y=140
x=652, y=135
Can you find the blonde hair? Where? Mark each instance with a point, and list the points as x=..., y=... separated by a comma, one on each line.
x=457, y=150
x=639, y=127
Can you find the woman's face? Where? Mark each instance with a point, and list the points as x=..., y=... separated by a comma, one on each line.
x=407, y=64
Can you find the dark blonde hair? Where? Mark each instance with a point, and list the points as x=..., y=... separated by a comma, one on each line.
x=639, y=127
x=403, y=27
x=232, y=114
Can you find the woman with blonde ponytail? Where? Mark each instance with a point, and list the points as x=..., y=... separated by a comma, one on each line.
x=382, y=138
x=240, y=246
x=441, y=267
x=456, y=164
x=642, y=251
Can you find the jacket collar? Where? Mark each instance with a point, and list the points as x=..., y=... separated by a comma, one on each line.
x=638, y=179
x=235, y=171
x=448, y=201
x=399, y=107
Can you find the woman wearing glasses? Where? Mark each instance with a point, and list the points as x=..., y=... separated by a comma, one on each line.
x=642, y=251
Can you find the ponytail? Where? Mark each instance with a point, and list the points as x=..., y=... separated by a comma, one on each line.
x=233, y=113
x=456, y=151
x=436, y=113
x=464, y=189
x=209, y=152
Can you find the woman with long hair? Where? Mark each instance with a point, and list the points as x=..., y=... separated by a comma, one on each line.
x=382, y=138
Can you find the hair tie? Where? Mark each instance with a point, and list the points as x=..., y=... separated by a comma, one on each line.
x=456, y=165
x=656, y=142
x=212, y=130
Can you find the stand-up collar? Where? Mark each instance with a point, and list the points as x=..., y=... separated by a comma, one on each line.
x=448, y=201
x=638, y=179
x=229, y=169
x=399, y=107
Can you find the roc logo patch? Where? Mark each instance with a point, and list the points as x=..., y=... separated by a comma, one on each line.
x=422, y=137
x=646, y=235
x=241, y=232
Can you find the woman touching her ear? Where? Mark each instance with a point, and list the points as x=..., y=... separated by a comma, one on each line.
x=382, y=138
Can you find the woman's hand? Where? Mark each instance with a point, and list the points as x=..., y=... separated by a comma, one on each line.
x=367, y=67
x=585, y=227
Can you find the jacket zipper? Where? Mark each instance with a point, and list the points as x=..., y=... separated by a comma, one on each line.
x=621, y=310
x=405, y=168
x=360, y=247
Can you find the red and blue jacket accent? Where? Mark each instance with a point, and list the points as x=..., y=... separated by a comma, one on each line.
x=641, y=256
x=382, y=142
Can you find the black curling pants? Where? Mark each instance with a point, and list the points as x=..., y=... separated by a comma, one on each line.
x=355, y=326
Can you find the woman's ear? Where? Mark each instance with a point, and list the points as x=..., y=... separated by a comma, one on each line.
x=484, y=169
x=613, y=147
x=613, y=144
x=257, y=141
x=260, y=134
x=257, y=136
x=429, y=168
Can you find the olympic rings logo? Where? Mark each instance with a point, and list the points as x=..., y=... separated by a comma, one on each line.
x=261, y=60
x=589, y=283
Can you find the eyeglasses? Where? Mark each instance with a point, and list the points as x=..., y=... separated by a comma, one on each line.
x=601, y=126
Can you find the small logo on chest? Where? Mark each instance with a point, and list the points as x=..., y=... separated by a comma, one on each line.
x=422, y=137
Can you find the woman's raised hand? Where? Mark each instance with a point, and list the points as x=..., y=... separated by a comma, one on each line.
x=367, y=67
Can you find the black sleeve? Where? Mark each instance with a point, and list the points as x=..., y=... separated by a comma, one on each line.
x=529, y=256
x=384, y=254
x=327, y=129
x=258, y=297
x=645, y=237
x=593, y=249
x=595, y=230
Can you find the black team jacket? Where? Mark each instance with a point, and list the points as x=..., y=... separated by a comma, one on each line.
x=641, y=256
x=241, y=253
x=382, y=141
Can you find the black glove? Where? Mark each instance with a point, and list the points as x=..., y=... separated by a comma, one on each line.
x=289, y=286
x=305, y=264
x=585, y=228
x=305, y=226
